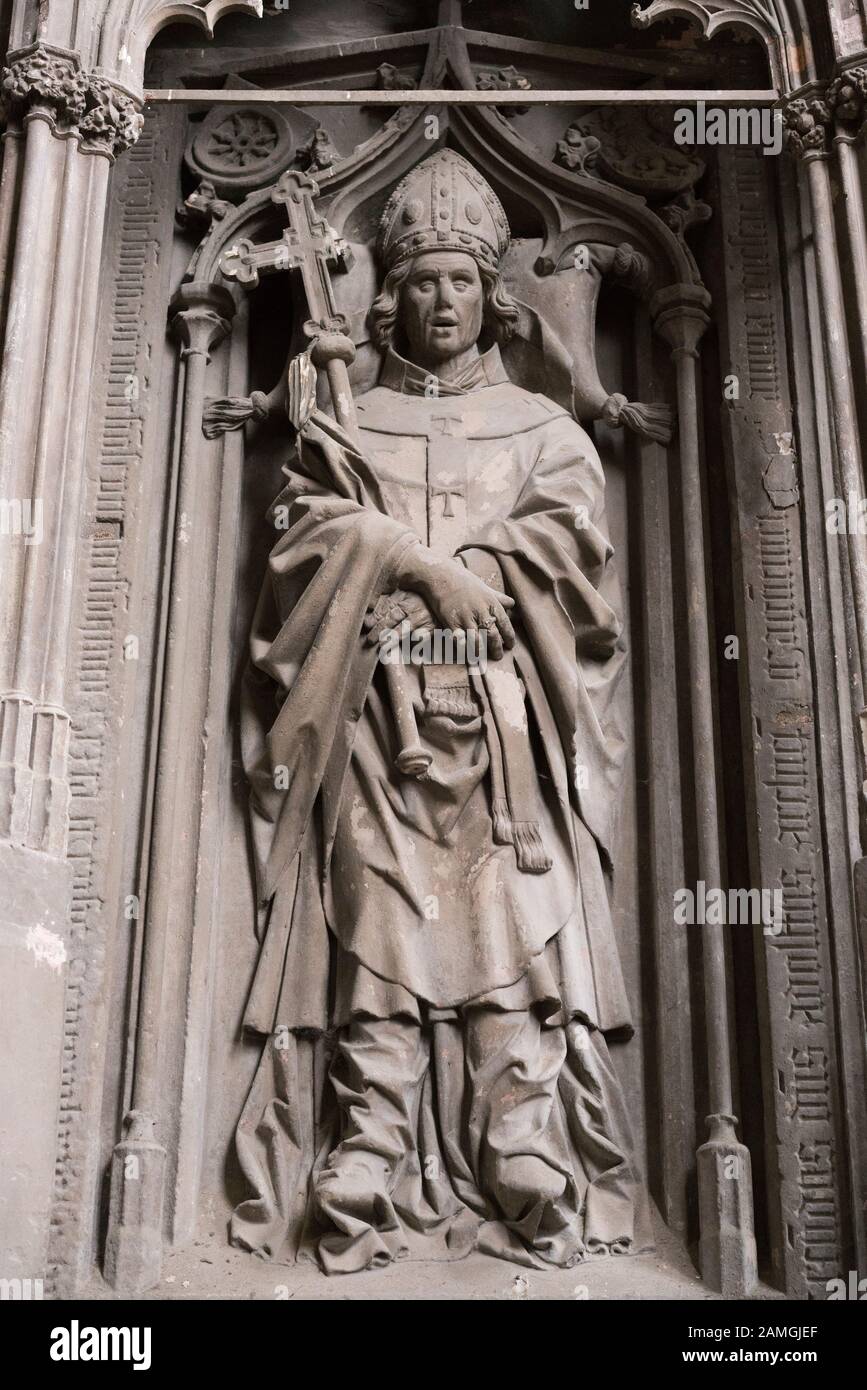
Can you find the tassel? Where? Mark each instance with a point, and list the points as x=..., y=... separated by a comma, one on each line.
x=529, y=850
x=503, y=831
x=655, y=422
x=459, y=703
x=511, y=788
x=525, y=835
x=224, y=413
x=447, y=691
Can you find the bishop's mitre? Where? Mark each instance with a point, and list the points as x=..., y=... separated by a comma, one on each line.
x=443, y=204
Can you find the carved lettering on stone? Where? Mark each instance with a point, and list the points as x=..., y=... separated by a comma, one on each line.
x=787, y=853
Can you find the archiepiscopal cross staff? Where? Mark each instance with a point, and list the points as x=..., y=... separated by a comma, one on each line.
x=308, y=247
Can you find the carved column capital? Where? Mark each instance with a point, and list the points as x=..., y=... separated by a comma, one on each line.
x=808, y=120
x=200, y=316
x=847, y=99
x=46, y=80
x=680, y=316
x=112, y=122
x=50, y=82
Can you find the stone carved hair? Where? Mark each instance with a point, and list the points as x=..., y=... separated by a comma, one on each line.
x=501, y=312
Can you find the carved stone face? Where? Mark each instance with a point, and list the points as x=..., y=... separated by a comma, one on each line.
x=442, y=305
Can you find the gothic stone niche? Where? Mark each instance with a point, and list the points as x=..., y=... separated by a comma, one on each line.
x=456, y=365
x=450, y=907
x=450, y=439
x=443, y=462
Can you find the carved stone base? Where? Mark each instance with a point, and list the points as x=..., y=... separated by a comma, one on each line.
x=727, y=1248
x=134, y=1244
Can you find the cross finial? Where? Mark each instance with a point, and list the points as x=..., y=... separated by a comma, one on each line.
x=308, y=245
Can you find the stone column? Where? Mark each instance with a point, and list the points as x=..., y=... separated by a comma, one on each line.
x=847, y=95
x=808, y=120
x=200, y=316
x=727, y=1247
x=65, y=130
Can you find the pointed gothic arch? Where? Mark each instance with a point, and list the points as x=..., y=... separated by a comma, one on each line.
x=796, y=41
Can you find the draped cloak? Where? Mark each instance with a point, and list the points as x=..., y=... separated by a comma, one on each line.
x=383, y=896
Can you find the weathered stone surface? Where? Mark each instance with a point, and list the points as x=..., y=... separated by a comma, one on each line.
x=34, y=949
x=126, y=877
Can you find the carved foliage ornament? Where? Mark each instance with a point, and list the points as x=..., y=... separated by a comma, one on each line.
x=685, y=212
x=42, y=77
x=578, y=152
x=105, y=118
x=202, y=208
x=391, y=79
x=807, y=121
x=319, y=153
x=112, y=121
x=504, y=80
x=847, y=95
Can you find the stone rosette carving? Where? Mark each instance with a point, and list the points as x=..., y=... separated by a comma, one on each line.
x=242, y=139
x=808, y=120
x=239, y=148
x=106, y=119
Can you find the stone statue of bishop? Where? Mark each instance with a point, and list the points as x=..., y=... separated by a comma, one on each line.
x=438, y=911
